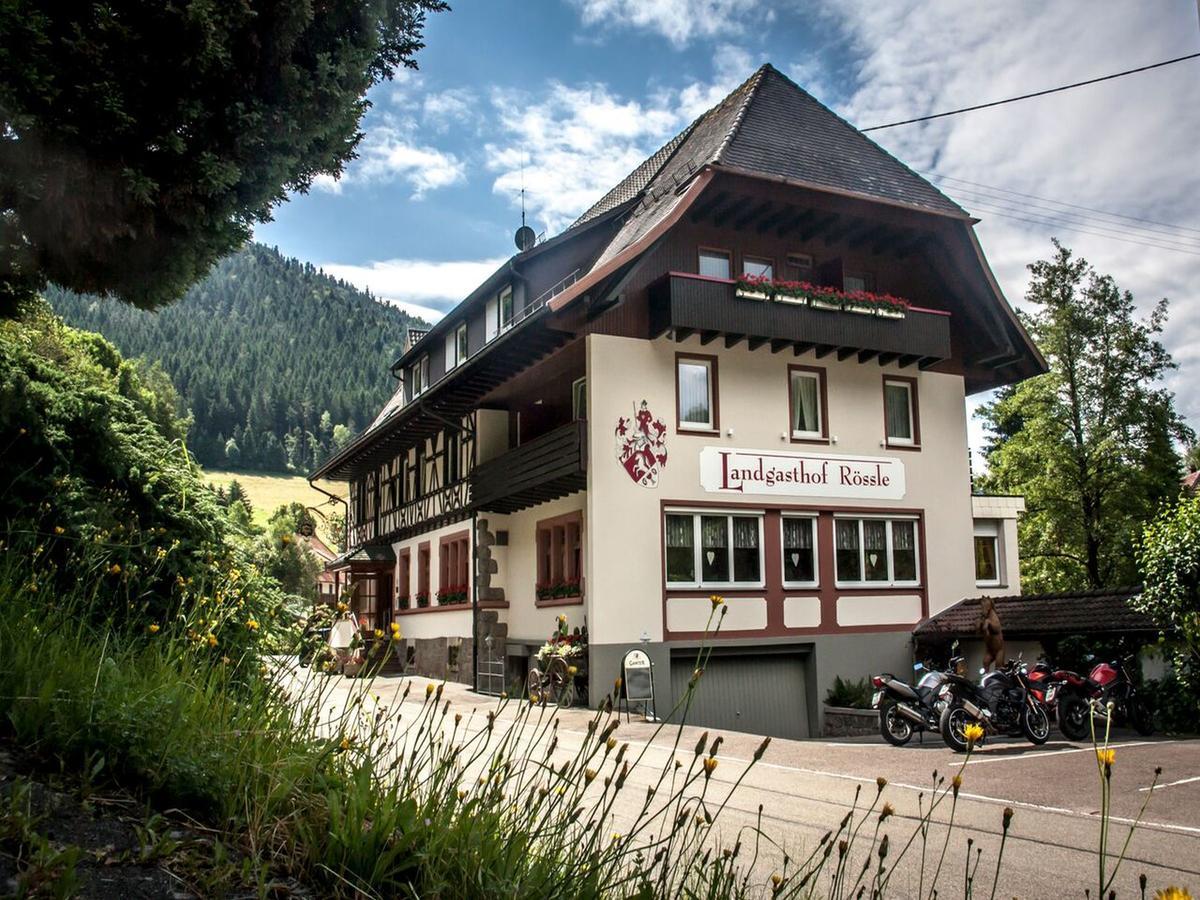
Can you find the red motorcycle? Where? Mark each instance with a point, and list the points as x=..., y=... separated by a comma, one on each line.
x=1107, y=691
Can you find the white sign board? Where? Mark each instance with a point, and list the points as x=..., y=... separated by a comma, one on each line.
x=784, y=473
x=639, y=681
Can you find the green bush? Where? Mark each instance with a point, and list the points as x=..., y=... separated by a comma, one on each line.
x=847, y=693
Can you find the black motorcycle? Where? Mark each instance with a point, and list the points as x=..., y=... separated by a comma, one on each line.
x=1002, y=703
x=905, y=708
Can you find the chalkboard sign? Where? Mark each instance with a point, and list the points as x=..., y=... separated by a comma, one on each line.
x=639, y=680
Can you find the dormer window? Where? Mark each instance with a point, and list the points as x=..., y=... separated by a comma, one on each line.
x=420, y=376
x=456, y=347
x=506, y=307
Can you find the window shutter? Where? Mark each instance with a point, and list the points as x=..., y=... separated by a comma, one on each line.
x=491, y=319
x=451, y=351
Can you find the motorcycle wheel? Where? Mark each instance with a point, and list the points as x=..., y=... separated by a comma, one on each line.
x=1035, y=723
x=1141, y=716
x=954, y=720
x=1074, y=718
x=896, y=729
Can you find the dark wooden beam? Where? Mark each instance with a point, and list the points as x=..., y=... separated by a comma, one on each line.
x=709, y=205
x=865, y=356
x=682, y=334
x=907, y=249
x=817, y=226
x=833, y=235
x=927, y=361
x=785, y=212
x=844, y=353
x=707, y=337
x=797, y=221
x=780, y=344
x=907, y=360
x=803, y=347
x=732, y=340
x=755, y=342
x=723, y=216
x=890, y=238
x=888, y=358
x=760, y=210
x=867, y=236
x=824, y=350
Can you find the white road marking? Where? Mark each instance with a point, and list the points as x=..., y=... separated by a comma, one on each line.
x=1159, y=787
x=1039, y=754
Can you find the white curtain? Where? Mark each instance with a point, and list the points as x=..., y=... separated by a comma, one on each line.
x=805, y=409
x=693, y=393
x=899, y=423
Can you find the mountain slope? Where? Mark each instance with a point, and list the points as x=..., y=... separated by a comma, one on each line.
x=278, y=362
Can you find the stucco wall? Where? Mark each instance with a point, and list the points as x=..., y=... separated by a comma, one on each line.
x=625, y=579
x=435, y=621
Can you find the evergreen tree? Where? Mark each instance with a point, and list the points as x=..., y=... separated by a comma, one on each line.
x=1091, y=444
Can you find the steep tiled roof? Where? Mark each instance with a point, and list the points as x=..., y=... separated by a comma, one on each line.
x=1083, y=612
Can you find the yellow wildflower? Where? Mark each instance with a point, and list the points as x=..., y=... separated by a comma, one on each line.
x=114, y=569
x=58, y=529
x=572, y=671
x=1107, y=756
x=152, y=628
x=710, y=766
x=973, y=733
x=1172, y=893
x=225, y=660
x=395, y=626
x=396, y=635
x=212, y=639
x=378, y=634
x=342, y=607
x=428, y=690
x=345, y=744
x=716, y=600
x=234, y=574
x=589, y=775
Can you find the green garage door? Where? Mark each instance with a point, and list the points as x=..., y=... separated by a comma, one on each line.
x=760, y=693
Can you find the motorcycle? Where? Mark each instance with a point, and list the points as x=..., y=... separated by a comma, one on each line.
x=905, y=708
x=1107, y=691
x=1002, y=703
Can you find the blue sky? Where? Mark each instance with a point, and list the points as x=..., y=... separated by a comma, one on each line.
x=569, y=95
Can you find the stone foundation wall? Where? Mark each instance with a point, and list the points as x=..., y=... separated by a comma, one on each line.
x=433, y=659
x=842, y=721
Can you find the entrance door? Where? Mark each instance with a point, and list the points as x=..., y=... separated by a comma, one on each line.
x=758, y=693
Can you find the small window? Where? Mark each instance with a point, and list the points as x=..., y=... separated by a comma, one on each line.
x=876, y=552
x=758, y=267
x=420, y=376
x=723, y=549
x=579, y=399
x=799, y=552
x=853, y=282
x=506, y=307
x=460, y=340
x=715, y=264
x=899, y=400
x=560, y=558
x=695, y=383
x=807, y=392
x=801, y=266
x=987, y=553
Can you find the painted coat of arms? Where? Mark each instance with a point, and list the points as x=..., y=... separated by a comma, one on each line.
x=642, y=445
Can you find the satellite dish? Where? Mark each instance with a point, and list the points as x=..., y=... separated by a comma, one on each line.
x=525, y=238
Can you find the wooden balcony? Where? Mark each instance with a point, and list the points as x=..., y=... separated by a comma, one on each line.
x=543, y=469
x=691, y=304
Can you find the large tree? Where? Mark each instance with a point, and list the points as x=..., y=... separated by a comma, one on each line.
x=141, y=141
x=1091, y=444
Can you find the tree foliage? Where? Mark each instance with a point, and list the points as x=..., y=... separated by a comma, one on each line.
x=1169, y=560
x=1091, y=444
x=277, y=363
x=143, y=141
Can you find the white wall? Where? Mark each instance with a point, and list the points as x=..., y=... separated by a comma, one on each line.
x=435, y=621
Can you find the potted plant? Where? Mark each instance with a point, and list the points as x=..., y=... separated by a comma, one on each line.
x=794, y=292
x=422, y=599
x=824, y=298
x=753, y=287
x=403, y=601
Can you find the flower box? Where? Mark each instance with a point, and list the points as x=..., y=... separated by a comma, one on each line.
x=749, y=294
x=403, y=601
x=821, y=303
x=422, y=600
x=454, y=595
x=886, y=313
x=861, y=310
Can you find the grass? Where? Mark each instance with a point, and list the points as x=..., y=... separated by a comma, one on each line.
x=268, y=492
x=353, y=801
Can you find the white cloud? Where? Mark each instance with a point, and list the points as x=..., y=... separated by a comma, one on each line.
x=1127, y=145
x=453, y=105
x=389, y=152
x=679, y=21
x=427, y=288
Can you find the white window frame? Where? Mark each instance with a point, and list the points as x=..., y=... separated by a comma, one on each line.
x=714, y=253
x=420, y=372
x=770, y=263
x=505, y=292
x=991, y=529
x=889, y=551
x=698, y=545
x=706, y=364
x=452, y=359
x=816, y=579
x=491, y=319
x=798, y=434
x=462, y=349
x=911, y=440
x=868, y=282
x=579, y=398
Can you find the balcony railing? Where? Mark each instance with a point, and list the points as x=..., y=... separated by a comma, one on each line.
x=543, y=469
x=692, y=304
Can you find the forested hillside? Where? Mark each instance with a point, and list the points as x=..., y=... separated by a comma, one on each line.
x=278, y=363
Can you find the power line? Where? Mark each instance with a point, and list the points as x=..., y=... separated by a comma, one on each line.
x=1083, y=230
x=1055, y=90
x=939, y=176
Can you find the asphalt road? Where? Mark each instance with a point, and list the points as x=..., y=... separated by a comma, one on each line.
x=806, y=787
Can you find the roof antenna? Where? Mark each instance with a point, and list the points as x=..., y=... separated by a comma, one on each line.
x=525, y=237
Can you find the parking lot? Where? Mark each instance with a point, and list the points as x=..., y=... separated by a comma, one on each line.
x=806, y=787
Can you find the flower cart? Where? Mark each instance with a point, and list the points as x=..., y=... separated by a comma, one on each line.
x=560, y=676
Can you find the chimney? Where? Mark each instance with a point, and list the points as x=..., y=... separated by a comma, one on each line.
x=414, y=337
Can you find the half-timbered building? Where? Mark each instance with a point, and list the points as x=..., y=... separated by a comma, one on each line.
x=742, y=373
